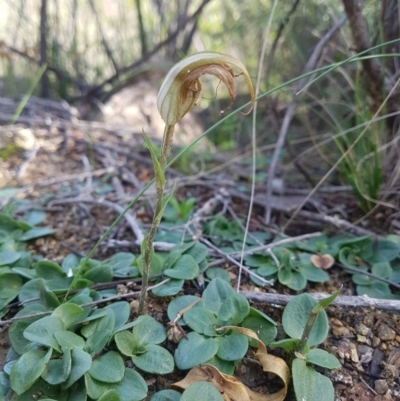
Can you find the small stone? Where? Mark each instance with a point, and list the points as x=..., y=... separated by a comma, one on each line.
x=397, y=338
x=369, y=320
x=174, y=334
x=381, y=386
x=385, y=333
x=134, y=305
x=376, y=341
x=362, y=329
x=394, y=357
x=353, y=353
x=361, y=339
x=390, y=372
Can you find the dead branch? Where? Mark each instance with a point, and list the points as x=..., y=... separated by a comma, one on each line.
x=311, y=63
x=372, y=67
x=363, y=301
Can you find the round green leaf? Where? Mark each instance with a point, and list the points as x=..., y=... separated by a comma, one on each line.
x=310, y=385
x=27, y=369
x=148, y=331
x=69, y=340
x=172, y=287
x=36, y=232
x=180, y=303
x=267, y=269
x=265, y=330
x=58, y=370
x=155, y=360
x=110, y=395
x=109, y=368
x=222, y=365
x=99, y=274
x=49, y=270
x=42, y=331
x=200, y=319
x=295, y=317
x=185, y=268
x=80, y=364
x=218, y=272
x=195, y=350
x=121, y=311
x=233, y=346
x=69, y=263
x=256, y=261
x=10, y=285
x=9, y=257
x=312, y=273
x=201, y=391
x=198, y=252
x=126, y=343
x=376, y=289
x=233, y=310
x=132, y=387
x=68, y=313
x=216, y=293
x=292, y=278
x=31, y=289
x=322, y=358
x=166, y=395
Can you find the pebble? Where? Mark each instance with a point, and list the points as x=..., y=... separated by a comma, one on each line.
x=385, y=333
x=390, y=372
x=362, y=329
x=369, y=320
x=381, y=386
x=376, y=341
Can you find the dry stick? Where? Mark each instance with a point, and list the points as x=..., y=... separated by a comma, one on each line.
x=311, y=63
x=68, y=177
x=363, y=301
x=374, y=276
x=372, y=67
x=227, y=256
x=97, y=286
x=254, y=140
x=103, y=38
x=275, y=244
x=89, y=304
x=95, y=92
x=336, y=221
x=43, y=48
x=344, y=155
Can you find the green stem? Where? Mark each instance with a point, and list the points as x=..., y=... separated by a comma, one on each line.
x=148, y=251
x=307, y=330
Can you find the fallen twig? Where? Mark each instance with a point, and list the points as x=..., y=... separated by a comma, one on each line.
x=89, y=304
x=363, y=301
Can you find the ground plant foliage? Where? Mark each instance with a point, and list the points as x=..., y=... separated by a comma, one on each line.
x=157, y=242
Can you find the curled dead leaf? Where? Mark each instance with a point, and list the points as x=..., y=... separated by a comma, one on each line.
x=181, y=87
x=231, y=388
x=323, y=261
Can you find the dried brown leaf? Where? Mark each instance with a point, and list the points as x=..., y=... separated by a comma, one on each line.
x=230, y=387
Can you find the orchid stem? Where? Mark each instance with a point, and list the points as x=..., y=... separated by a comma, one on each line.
x=148, y=252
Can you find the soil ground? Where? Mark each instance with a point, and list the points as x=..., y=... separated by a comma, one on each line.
x=73, y=164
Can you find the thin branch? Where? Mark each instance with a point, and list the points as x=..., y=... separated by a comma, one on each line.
x=89, y=304
x=244, y=268
x=103, y=38
x=311, y=64
x=43, y=48
x=96, y=91
x=363, y=301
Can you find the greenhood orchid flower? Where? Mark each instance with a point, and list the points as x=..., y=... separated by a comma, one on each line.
x=181, y=87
